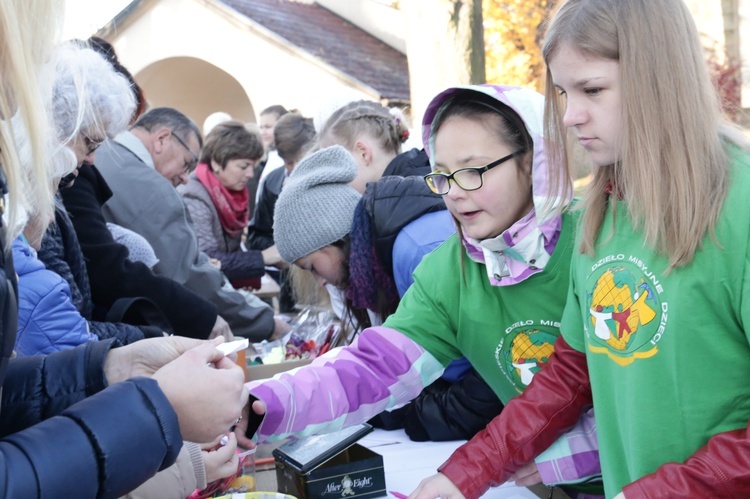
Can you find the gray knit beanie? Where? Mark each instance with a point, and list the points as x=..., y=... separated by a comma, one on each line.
x=316, y=206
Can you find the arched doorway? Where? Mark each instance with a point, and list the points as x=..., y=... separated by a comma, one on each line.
x=196, y=88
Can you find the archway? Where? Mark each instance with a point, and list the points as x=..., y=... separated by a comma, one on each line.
x=196, y=88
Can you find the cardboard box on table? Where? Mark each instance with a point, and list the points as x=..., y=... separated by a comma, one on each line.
x=332, y=465
x=263, y=371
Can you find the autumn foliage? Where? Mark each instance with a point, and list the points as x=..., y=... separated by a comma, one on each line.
x=727, y=76
x=512, y=41
x=513, y=32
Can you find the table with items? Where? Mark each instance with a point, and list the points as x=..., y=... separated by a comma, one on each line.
x=406, y=463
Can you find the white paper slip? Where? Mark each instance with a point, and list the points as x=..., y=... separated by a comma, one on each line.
x=234, y=346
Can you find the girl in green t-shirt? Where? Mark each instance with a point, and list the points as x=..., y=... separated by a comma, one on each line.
x=654, y=331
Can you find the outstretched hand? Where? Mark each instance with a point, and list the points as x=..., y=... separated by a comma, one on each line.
x=221, y=461
x=526, y=476
x=437, y=485
x=280, y=328
x=145, y=357
x=206, y=390
x=221, y=328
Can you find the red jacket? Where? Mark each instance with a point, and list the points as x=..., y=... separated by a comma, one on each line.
x=552, y=404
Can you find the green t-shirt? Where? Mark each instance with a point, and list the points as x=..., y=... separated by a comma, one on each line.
x=506, y=332
x=667, y=354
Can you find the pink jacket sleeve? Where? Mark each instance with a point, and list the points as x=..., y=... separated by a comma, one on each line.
x=382, y=369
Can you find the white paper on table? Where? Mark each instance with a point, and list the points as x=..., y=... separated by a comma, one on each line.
x=407, y=463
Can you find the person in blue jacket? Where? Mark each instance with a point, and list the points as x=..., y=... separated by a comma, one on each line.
x=49, y=316
x=47, y=319
x=96, y=420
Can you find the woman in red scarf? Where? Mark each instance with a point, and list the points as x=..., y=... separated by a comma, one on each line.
x=218, y=200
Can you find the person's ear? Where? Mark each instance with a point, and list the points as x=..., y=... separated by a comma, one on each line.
x=159, y=138
x=364, y=151
x=215, y=167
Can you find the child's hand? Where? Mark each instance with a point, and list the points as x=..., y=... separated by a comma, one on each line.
x=253, y=419
x=436, y=486
x=526, y=476
x=221, y=461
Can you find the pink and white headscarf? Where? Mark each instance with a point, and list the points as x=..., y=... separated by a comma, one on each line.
x=524, y=249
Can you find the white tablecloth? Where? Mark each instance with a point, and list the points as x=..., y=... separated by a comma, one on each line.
x=407, y=463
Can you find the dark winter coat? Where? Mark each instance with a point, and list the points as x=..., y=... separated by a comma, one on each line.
x=53, y=443
x=61, y=253
x=113, y=276
x=393, y=203
x=413, y=162
x=260, y=230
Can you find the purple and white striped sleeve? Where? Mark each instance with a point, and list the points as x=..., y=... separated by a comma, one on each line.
x=382, y=369
x=574, y=457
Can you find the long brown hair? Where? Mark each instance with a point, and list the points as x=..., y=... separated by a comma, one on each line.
x=293, y=135
x=307, y=291
x=672, y=169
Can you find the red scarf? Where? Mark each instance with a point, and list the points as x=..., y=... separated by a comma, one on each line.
x=233, y=206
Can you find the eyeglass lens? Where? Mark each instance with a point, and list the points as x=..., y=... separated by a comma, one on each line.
x=467, y=180
x=189, y=164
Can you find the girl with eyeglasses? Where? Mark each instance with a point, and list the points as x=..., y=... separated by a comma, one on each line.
x=494, y=292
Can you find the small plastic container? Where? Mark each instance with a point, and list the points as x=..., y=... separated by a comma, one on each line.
x=242, y=362
x=245, y=481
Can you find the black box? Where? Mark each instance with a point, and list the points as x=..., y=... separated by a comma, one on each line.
x=330, y=466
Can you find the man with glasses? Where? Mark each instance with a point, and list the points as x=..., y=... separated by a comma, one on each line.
x=189, y=163
x=142, y=167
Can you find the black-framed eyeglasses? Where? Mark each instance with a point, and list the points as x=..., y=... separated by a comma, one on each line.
x=468, y=179
x=189, y=165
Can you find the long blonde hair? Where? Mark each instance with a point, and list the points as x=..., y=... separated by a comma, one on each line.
x=27, y=32
x=672, y=170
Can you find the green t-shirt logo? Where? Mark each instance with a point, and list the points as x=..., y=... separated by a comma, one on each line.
x=625, y=313
x=522, y=353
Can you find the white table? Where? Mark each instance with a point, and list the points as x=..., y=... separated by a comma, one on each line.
x=407, y=463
